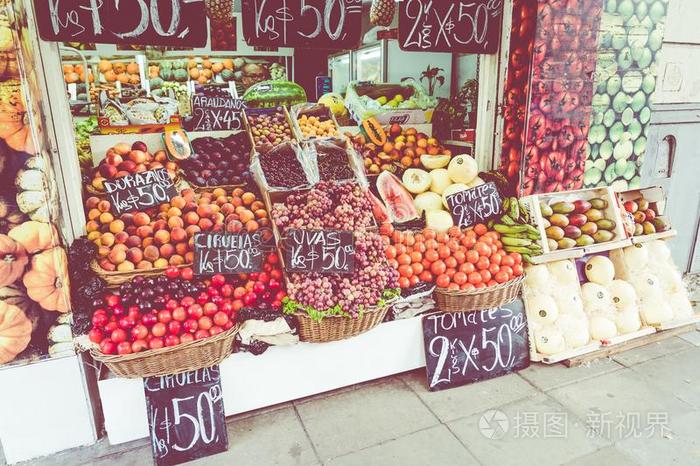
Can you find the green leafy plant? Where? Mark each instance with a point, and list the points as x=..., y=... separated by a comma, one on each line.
x=290, y=306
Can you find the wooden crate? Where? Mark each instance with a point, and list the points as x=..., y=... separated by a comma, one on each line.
x=657, y=198
x=262, y=111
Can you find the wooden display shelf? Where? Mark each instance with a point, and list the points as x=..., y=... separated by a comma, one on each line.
x=611, y=350
x=654, y=236
x=564, y=355
x=678, y=323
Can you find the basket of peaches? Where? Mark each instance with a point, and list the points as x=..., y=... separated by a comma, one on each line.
x=146, y=243
x=469, y=267
x=176, y=322
x=122, y=160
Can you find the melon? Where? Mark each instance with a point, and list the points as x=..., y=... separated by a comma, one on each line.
x=680, y=305
x=335, y=103
x=637, y=256
x=450, y=190
x=600, y=270
x=398, y=200
x=428, y=201
x=627, y=320
x=477, y=181
x=658, y=250
x=575, y=330
x=438, y=220
x=440, y=180
x=537, y=277
x=564, y=272
x=542, y=309
x=595, y=297
x=549, y=340
x=655, y=311
x=602, y=328
x=462, y=169
x=670, y=279
x=568, y=303
x=623, y=294
x=416, y=180
x=646, y=284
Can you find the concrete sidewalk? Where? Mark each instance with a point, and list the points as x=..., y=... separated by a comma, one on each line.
x=640, y=407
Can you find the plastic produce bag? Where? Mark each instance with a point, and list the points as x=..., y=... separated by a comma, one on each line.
x=335, y=160
x=283, y=168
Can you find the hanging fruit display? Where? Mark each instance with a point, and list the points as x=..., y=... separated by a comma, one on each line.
x=632, y=34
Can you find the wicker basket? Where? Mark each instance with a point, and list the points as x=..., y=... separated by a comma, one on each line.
x=333, y=328
x=114, y=279
x=481, y=298
x=171, y=360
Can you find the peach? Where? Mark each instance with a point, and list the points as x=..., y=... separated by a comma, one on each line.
x=103, y=251
x=144, y=231
x=218, y=192
x=236, y=201
x=166, y=250
x=176, y=259
x=127, y=218
x=227, y=208
x=134, y=255
x=191, y=218
x=232, y=217
x=93, y=214
x=128, y=166
x=103, y=206
x=218, y=228
x=261, y=213
x=121, y=173
x=154, y=165
x=237, y=192
x=120, y=247
x=144, y=265
x=107, y=265
x=151, y=253
x=117, y=256
x=161, y=237
x=131, y=230
x=247, y=216
x=121, y=237
x=94, y=236
x=160, y=156
x=125, y=266
x=182, y=248
x=205, y=224
x=141, y=218
x=174, y=212
x=218, y=218
x=116, y=226
x=160, y=263
x=178, y=234
x=91, y=202
x=91, y=226
x=107, y=239
x=176, y=222
x=257, y=205
x=121, y=148
x=140, y=168
x=133, y=242
x=188, y=194
x=189, y=257
x=106, y=217
x=178, y=201
x=137, y=156
x=160, y=224
x=147, y=242
x=251, y=226
x=190, y=206
x=192, y=229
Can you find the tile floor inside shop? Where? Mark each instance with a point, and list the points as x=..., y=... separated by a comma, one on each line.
x=639, y=407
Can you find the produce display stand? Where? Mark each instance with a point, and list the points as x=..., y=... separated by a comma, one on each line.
x=280, y=374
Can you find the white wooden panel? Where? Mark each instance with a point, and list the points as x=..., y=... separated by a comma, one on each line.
x=678, y=80
x=682, y=21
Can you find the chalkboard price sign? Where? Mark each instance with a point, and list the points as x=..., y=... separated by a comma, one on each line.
x=142, y=22
x=475, y=205
x=466, y=347
x=464, y=26
x=217, y=113
x=185, y=416
x=231, y=253
x=140, y=191
x=323, y=251
x=320, y=24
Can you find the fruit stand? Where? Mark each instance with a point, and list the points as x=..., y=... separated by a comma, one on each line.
x=226, y=217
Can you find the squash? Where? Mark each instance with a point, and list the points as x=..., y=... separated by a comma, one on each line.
x=10, y=215
x=374, y=131
x=15, y=295
x=104, y=66
x=14, y=127
x=60, y=337
x=13, y=260
x=15, y=332
x=132, y=68
x=34, y=236
x=47, y=281
x=32, y=190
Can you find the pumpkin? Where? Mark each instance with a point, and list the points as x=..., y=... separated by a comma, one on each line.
x=132, y=68
x=34, y=236
x=10, y=215
x=60, y=337
x=47, y=280
x=15, y=295
x=15, y=332
x=104, y=66
x=33, y=196
x=14, y=127
x=13, y=260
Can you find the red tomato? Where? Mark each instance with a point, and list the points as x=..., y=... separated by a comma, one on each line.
x=220, y=318
x=494, y=249
x=494, y=268
x=483, y=249
x=438, y=267
x=496, y=258
x=174, y=327
x=443, y=281
x=186, y=338
x=467, y=268
x=480, y=229
x=474, y=278
x=468, y=241
x=414, y=280
x=460, y=278
x=187, y=273
x=485, y=275
x=460, y=256
x=453, y=287
x=516, y=257
x=390, y=252
x=501, y=277
x=139, y=332
x=507, y=270
x=466, y=287
x=472, y=256
x=404, y=282
x=492, y=283
x=453, y=245
x=403, y=259
x=426, y=276
x=431, y=255
x=451, y=262
x=417, y=268
x=483, y=263
x=405, y=270
x=444, y=252
x=416, y=257
x=450, y=272
x=508, y=260
x=517, y=270
x=480, y=285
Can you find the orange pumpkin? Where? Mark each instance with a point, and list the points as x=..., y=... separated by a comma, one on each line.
x=13, y=260
x=14, y=128
x=47, y=280
x=34, y=236
x=15, y=332
x=132, y=68
x=217, y=67
x=110, y=76
x=228, y=63
x=105, y=65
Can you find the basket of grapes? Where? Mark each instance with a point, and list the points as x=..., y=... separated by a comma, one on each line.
x=335, y=306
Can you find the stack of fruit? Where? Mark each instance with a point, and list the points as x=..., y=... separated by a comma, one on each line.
x=269, y=129
x=456, y=260
x=399, y=149
x=517, y=233
x=646, y=217
x=175, y=308
x=315, y=121
x=579, y=223
x=122, y=160
x=218, y=161
x=161, y=237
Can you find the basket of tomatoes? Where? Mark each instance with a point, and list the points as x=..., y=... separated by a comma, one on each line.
x=470, y=268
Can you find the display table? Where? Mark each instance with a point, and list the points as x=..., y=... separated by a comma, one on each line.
x=280, y=374
x=45, y=409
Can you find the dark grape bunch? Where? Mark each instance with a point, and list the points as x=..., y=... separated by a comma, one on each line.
x=151, y=293
x=333, y=162
x=373, y=275
x=282, y=168
x=328, y=205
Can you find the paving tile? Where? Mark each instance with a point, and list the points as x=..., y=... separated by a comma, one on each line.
x=135, y=457
x=691, y=337
x=258, y=412
x=466, y=400
x=678, y=374
x=652, y=351
x=274, y=438
x=436, y=445
x=361, y=418
x=603, y=401
x=516, y=444
x=680, y=446
x=607, y=455
x=549, y=376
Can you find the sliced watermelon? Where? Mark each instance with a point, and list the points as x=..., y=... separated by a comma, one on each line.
x=396, y=197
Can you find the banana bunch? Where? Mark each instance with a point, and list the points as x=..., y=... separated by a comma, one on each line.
x=517, y=234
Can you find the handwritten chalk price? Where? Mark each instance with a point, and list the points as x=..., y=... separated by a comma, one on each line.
x=231, y=253
x=466, y=26
x=217, y=113
x=322, y=251
x=139, y=191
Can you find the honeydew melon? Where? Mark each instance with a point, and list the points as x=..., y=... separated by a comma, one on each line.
x=428, y=201
x=549, y=340
x=623, y=294
x=462, y=169
x=416, y=180
x=452, y=189
x=602, y=328
x=438, y=220
x=648, y=84
x=656, y=38
x=680, y=305
x=542, y=309
x=595, y=297
x=600, y=164
x=655, y=311
x=637, y=256
x=440, y=180
x=600, y=270
x=659, y=250
x=568, y=303
x=627, y=320
x=564, y=272
x=537, y=277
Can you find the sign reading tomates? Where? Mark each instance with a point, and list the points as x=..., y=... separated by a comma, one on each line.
x=321, y=24
x=142, y=22
x=464, y=26
x=185, y=416
x=475, y=205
